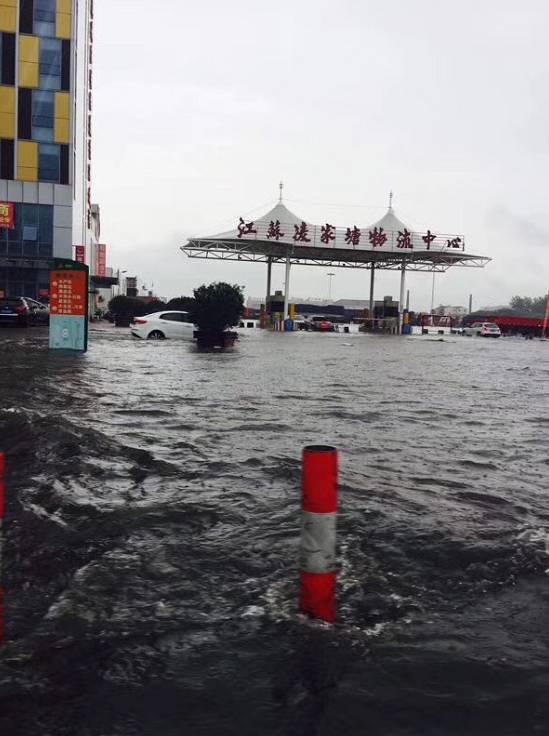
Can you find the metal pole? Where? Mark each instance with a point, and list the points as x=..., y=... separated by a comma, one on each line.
x=433, y=295
x=269, y=269
x=330, y=277
x=372, y=277
x=407, y=300
x=402, y=292
x=470, y=303
x=287, y=286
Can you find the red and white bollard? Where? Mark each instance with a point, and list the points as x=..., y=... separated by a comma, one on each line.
x=318, y=533
x=2, y=470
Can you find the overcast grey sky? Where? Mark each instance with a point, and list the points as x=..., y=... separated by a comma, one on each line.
x=201, y=108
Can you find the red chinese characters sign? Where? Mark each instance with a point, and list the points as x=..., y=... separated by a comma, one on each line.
x=101, y=260
x=7, y=215
x=350, y=237
x=80, y=253
x=68, y=293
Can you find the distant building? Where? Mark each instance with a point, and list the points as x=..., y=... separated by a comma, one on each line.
x=343, y=309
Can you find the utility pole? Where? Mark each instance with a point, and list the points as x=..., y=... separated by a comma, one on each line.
x=330, y=276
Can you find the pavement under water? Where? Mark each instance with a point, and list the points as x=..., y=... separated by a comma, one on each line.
x=152, y=526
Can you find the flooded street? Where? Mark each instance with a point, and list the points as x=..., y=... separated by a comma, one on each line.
x=152, y=527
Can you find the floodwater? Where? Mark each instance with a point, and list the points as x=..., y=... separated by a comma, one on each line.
x=152, y=526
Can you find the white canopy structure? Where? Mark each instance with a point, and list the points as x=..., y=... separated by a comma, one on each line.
x=280, y=236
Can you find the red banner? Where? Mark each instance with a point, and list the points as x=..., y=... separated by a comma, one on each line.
x=7, y=215
x=101, y=265
x=80, y=253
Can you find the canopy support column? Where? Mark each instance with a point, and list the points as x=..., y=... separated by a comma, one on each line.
x=371, y=306
x=287, y=286
x=269, y=270
x=402, y=292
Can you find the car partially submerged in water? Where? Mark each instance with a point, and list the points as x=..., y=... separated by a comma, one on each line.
x=162, y=325
x=482, y=329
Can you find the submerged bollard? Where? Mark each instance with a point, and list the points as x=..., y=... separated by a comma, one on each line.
x=318, y=532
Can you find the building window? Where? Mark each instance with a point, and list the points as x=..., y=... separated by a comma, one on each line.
x=7, y=158
x=43, y=112
x=24, y=114
x=66, y=65
x=7, y=58
x=48, y=162
x=50, y=63
x=44, y=18
x=25, y=16
x=32, y=235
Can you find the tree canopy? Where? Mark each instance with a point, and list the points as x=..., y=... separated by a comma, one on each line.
x=181, y=303
x=217, y=306
x=129, y=306
x=529, y=305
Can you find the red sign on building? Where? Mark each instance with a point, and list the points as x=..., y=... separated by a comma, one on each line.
x=68, y=293
x=101, y=264
x=7, y=215
x=80, y=253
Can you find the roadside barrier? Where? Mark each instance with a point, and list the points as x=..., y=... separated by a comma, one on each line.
x=318, y=532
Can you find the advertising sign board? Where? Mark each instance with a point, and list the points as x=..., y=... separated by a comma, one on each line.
x=7, y=215
x=69, y=305
x=101, y=265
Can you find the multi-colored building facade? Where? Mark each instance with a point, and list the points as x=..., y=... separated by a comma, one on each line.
x=46, y=56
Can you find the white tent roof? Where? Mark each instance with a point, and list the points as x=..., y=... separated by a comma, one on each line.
x=280, y=233
x=389, y=222
x=280, y=212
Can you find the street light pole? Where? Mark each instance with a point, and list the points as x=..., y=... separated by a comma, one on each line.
x=330, y=276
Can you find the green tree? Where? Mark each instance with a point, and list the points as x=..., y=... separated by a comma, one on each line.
x=217, y=306
x=123, y=306
x=529, y=305
x=155, y=305
x=181, y=303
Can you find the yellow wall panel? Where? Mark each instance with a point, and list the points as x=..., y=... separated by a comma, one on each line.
x=7, y=125
x=27, y=154
x=29, y=48
x=8, y=18
x=7, y=112
x=25, y=173
x=62, y=131
x=64, y=6
x=62, y=105
x=29, y=56
x=62, y=117
x=28, y=74
x=7, y=99
x=63, y=24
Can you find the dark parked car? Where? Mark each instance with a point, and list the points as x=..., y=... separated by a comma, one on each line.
x=22, y=311
x=321, y=324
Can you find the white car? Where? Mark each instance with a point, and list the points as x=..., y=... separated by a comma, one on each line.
x=482, y=329
x=160, y=325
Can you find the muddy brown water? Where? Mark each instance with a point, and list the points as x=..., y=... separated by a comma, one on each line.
x=152, y=524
